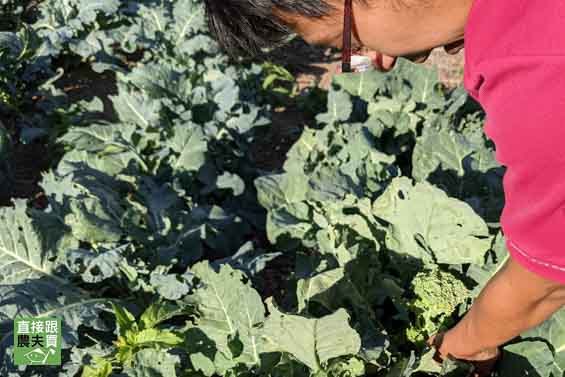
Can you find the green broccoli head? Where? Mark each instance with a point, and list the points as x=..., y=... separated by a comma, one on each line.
x=438, y=295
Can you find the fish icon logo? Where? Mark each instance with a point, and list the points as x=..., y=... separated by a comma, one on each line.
x=39, y=356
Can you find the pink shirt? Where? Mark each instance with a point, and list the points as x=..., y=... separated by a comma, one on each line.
x=515, y=68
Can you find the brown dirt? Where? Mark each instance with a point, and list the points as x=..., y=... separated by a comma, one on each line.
x=82, y=83
x=273, y=280
x=450, y=67
x=269, y=152
x=28, y=161
x=24, y=165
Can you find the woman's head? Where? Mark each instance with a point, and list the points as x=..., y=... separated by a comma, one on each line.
x=408, y=28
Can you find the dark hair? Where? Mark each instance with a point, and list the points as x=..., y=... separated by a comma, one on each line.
x=244, y=27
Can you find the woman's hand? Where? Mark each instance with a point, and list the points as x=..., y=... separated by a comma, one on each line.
x=513, y=301
x=449, y=346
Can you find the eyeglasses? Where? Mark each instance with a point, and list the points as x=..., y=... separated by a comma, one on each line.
x=346, y=47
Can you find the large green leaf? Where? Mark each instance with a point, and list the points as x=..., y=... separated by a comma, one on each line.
x=137, y=108
x=22, y=250
x=312, y=341
x=153, y=363
x=191, y=145
x=445, y=149
x=553, y=331
x=228, y=309
x=30, y=283
x=364, y=85
x=426, y=224
x=278, y=190
x=339, y=108
x=111, y=164
x=159, y=312
x=100, y=138
x=418, y=83
x=494, y=261
x=189, y=18
x=92, y=221
x=528, y=358
x=462, y=165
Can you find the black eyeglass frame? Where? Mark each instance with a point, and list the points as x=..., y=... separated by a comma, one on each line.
x=347, y=27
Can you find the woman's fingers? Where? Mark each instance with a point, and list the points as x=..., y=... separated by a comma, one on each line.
x=483, y=363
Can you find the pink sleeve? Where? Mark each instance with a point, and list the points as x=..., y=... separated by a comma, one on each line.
x=524, y=99
x=515, y=68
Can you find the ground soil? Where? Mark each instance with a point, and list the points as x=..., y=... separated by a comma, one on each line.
x=28, y=161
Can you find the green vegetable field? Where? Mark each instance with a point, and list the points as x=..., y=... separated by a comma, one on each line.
x=167, y=250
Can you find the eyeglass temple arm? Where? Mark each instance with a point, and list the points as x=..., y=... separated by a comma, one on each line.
x=347, y=26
